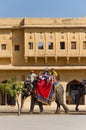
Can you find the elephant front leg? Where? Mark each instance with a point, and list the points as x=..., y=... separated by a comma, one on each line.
x=77, y=102
x=22, y=103
x=40, y=107
x=32, y=105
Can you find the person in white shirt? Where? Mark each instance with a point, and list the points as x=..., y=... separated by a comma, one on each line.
x=32, y=76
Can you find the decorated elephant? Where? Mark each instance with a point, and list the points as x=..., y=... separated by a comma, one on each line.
x=43, y=94
x=81, y=91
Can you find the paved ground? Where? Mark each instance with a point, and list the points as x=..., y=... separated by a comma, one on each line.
x=9, y=120
x=42, y=122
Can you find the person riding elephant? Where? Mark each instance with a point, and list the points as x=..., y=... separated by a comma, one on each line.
x=46, y=72
x=53, y=75
x=31, y=76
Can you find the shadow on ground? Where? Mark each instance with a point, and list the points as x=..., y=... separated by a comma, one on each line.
x=45, y=113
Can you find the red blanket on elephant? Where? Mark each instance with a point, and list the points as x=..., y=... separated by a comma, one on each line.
x=44, y=91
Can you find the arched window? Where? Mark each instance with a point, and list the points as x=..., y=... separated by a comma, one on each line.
x=71, y=91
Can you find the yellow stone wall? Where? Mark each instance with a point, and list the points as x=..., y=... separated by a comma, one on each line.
x=20, y=31
x=69, y=63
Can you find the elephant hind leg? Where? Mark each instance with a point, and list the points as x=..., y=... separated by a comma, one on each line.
x=65, y=108
x=60, y=99
x=57, y=109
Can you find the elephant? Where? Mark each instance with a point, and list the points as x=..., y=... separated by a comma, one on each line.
x=29, y=90
x=81, y=91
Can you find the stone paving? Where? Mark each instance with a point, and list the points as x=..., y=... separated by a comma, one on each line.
x=43, y=122
x=48, y=120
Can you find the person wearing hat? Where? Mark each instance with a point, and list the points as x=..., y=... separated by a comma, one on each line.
x=32, y=76
x=46, y=71
x=46, y=74
x=53, y=75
